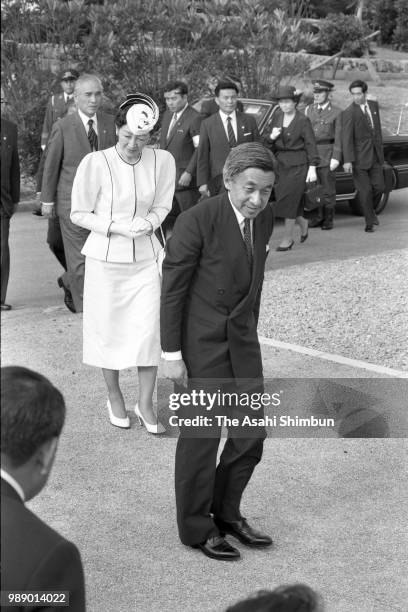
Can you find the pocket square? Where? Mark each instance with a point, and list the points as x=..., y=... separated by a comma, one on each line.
x=267, y=248
x=247, y=133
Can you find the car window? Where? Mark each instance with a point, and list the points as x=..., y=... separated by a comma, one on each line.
x=257, y=110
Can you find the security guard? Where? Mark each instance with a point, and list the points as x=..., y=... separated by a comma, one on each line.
x=58, y=105
x=326, y=122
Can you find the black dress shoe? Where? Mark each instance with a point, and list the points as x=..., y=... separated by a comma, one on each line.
x=5, y=306
x=304, y=238
x=376, y=221
x=68, y=301
x=369, y=228
x=218, y=548
x=244, y=533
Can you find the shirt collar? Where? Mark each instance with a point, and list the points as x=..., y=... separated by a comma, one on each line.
x=224, y=116
x=84, y=118
x=324, y=106
x=13, y=483
x=240, y=217
x=180, y=112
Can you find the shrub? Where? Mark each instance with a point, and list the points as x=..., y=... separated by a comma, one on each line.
x=341, y=32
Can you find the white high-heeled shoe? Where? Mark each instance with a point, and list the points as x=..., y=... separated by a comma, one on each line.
x=123, y=422
x=156, y=428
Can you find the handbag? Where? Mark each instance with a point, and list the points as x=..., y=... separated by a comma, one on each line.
x=161, y=253
x=314, y=197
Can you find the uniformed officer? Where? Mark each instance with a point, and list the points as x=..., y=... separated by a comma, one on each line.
x=59, y=104
x=326, y=122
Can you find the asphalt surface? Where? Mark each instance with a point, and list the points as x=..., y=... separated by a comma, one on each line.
x=335, y=507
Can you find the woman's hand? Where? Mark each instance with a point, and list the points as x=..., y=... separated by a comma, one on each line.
x=141, y=227
x=276, y=132
x=311, y=175
x=122, y=230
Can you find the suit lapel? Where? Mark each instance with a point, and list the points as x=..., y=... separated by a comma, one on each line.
x=230, y=237
x=103, y=135
x=241, y=127
x=80, y=133
x=219, y=128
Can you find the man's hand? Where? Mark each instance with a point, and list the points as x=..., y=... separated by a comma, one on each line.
x=176, y=371
x=185, y=179
x=334, y=164
x=348, y=167
x=48, y=210
x=203, y=189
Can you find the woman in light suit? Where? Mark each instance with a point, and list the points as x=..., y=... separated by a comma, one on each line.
x=123, y=194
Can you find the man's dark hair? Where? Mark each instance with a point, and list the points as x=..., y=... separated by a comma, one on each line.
x=32, y=412
x=359, y=83
x=225, y=85
x=248, y=155
x=292, y=598
x=180, y=86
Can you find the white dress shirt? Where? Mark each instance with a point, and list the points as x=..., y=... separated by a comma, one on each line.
x=13, y=483
x=224, y=118
x=84, y=118
x=365, y=106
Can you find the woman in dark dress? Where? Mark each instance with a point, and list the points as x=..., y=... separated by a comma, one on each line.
x=293, y=142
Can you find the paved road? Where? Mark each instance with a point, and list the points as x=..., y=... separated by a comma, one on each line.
x=334, y=506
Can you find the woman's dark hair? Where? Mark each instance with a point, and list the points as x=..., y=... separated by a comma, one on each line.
x=32, y=412
x=120, y=117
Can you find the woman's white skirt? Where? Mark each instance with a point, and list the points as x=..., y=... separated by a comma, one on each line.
x=121, y=321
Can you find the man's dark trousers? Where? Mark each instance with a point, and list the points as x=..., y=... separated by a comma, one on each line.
x=202, y=490
x=370, y=186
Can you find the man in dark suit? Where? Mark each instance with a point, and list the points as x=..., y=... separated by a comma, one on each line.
x=34, y=557
x=212, y=282
x=363, y=153
x=218, y=135
x=180, y=134
x=209, y=106
x=73, y=137
x=10, y=196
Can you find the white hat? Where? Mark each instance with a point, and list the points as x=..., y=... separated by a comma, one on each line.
x=142, y=114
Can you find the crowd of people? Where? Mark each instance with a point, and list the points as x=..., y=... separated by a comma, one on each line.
x=114, y=205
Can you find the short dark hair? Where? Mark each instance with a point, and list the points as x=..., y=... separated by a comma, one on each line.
x=359, y=83
x=248, y=155
x=32, y=412
x=225, y=85
x=120, y=117
x=180, y=85
x=292, y=598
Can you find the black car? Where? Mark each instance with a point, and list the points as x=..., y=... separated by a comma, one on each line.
x=395, y=155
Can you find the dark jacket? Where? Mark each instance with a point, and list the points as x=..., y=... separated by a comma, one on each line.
x=210, y=300
x=214, y=147
x=10, y=168
x=362, y=146
x=297, y=144
x=56, y=109
x=326, y=125
x=34, y=557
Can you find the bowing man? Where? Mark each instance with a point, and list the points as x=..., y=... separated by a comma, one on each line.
x=212, y=282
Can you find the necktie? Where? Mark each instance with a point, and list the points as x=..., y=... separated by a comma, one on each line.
x=368, y=117
x=231, y=136
x=172, y=126
x=248, y=241
x=92, y=137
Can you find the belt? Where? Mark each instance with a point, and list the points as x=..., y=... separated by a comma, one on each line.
x=325, y=141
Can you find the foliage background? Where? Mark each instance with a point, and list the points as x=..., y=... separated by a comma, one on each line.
x=139, y=45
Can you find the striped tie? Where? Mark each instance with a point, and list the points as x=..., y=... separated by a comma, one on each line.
x=231, y=136
x=92, y=137
x=368, y=117
x=248, y=241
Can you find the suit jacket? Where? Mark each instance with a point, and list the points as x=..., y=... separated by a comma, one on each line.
x=326, y=125
x=10, y=168
x=180, y=143
x=362, y=145
x=56, y=108
x=66, y=148
x=34, y=557
x=210, y=300
x=214, y=146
